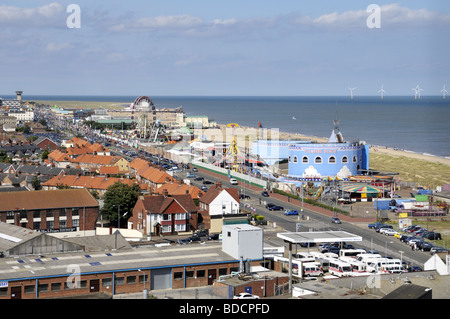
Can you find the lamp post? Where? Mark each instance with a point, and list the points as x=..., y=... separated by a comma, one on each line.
x=145, y=291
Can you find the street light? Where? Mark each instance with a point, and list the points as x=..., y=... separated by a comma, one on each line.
x=145, y=291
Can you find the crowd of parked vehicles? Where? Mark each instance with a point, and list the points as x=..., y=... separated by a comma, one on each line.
x=414, y=236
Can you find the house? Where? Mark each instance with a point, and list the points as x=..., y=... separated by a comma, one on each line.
x=46, y=144
x=219, y=203
x=50, y=211
x=94, y=162
x=59, y=159
x=164, y=214
x=154, y=177
x=93, y=183
x=179, y=188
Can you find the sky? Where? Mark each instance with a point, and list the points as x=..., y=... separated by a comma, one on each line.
x=224, y=48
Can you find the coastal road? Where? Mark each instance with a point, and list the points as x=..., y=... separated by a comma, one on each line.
x=314, y=221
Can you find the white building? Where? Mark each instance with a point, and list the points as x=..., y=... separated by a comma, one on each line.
x=22, y=115
x=220, y=201
x=242, y=241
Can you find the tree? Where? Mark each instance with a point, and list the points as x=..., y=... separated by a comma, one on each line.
x=36, y=183
x=120, y=196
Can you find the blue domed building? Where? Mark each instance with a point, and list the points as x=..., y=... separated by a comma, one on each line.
x=336, y=158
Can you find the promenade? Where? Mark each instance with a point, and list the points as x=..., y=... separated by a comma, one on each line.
x=293, y=201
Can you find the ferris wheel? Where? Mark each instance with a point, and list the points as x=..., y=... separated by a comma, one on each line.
x=144, y=105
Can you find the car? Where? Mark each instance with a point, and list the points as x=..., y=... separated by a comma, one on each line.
x=183, y=241
x=233, y=181
x=345, y=200
x=204, y=188
x=389, y=232
x=371, y=226
x=291, y=212
x=335, y=220
x=199, y=178
x=398, y=235
x=434, y=236
x=377, y=228
x=407, y=228
x=193, y=238
x=245, y=295
x=384, y=229
x=191, y=175
x=194, y=169
x=435, y=250
x=213, y=237
x=413, y=229
x=264, y=194
x=424, y=246
x=268, y=205
x=415, y=268
x=244, y=196
x=201, y=233
x=276, y=207
x=208, y=183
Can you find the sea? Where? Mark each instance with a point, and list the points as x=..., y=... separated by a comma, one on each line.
x=398, y=122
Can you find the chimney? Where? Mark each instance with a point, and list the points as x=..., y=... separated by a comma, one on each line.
x=165, y=193
x=219, y=184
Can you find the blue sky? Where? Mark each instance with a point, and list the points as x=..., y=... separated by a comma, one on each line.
x=200, y=47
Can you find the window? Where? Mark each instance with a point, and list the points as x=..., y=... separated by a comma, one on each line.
x=318, y=160
x=180, y=227
x=354, y=159
x=29, y=289
x=107, y=282
x=332, y=160
x=200, y=273
x=49, y=214
x=10, y=215
x=344, y=159
x=295, y=159
x=166, y=217
x=190, y=274
x=62, y=212
x=223, y=271
x=37, y=214
x=4, y=292
x=62, y=224
x=166, y=228
x=180, y=216
x=228, y=234
x=75, y=211
x=23, y=214
x=131, y=280
x=36, y=225
x=50, y=224
x=178, y=275
x=305, y=160
x=56, y=286
x=75, y=222
x=120, y=281
x=143, y=279
x=42, y=288
x=289, y=158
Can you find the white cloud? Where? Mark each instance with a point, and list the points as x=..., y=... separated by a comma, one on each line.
x=44, y=15
x=57, y=47
x=179, y=21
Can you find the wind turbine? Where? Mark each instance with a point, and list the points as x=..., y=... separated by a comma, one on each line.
x=382, y=91
x=417, y=90
x=443, y=92
x=351, y=92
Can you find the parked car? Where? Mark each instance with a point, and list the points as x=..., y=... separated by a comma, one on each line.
x=388, y=231
x=407, y=228
x=190, y=175
x=435, y=250
x=233, y=181
x=413, y=229
x=434, y=236
x=194, y=169
x=378, y=227
x=291, y=212
x=371, y=226
x=264, y=194
x=208, y=183
x=415, y=268
x=193, y=238
x=245, y=295
x=213, y=237
x=335, y=220
x=199, y=178
x=244, y=196
x=424, y=246
x=184, y=241
x=276, y=207
x=268, y=205
x=204, y=188
x=201, y=233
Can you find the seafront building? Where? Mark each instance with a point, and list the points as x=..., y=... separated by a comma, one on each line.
x=311, y=160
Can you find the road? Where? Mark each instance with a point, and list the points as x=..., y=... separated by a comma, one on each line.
x=314, y=221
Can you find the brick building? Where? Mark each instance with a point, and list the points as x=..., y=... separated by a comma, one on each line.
x=165, y=214
x=50, y=211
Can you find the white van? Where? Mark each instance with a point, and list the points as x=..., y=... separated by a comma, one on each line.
x=385, y=265
x=312, y=269
x=340, y=268
x=233, y=181
x=366, y=258
x=349, y=254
